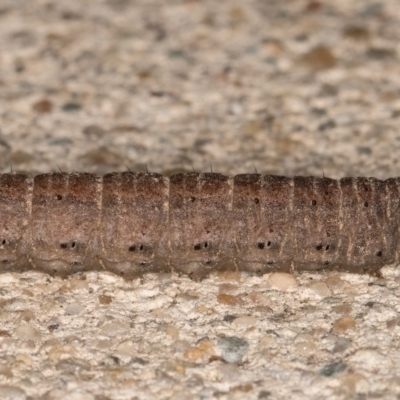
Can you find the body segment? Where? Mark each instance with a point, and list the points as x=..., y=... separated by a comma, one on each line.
x=194, y=223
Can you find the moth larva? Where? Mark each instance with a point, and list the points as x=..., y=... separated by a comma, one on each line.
x=133, y=223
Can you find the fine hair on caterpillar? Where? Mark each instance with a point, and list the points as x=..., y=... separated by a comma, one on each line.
x=194, y=223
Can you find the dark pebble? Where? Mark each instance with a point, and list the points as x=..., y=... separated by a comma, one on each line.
x=333, y=369
x=229, y=318
x=71, y=107
x=232, y=348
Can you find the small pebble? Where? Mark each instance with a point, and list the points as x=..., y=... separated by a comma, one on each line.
x=74, y=309
x=102, y=344
x=145, y=293
x=319, y=58
x=102, y=157
x=264, y=394
x=355, y=383
x=172, y=331
x=282, y=281
x=342, y=308
x=228, y=299
x=160, y=313
x=21, y=157
x=370, y=360
x=229, y=318
x=23, y=358
x=43, y=106
x=344, y=324
x=139, y=360
x=27, y=332
x=194, y=354
x=380, y=53
x=114, y=328
x=244, y=388
x=180, y=345
x=8, y=392
x=71, y=107
x=230, y=372
x=304, y=337
x=56, y=394
x=341, y=345
x=320, y=289
x=105, y=299
x=77, y=285
x=94, y=132
x=150, y=304
x=185, y=296
x=127, y=348
x=7, y=279
x=26, y=292
x=207, y=346
x=15, y=304
x=53, y=324
x=6, y=371
x=72, y=365
x=202, y=309
x=250, y=128
x=333, y=369
x=358, y=33
x=313, y=6
x=259, y=298
x=232, y=348
x=59, y=352
x=305, y=348
x=227, y=288
x=267, y=342
x=230, y=276
x=245, y=321
x=392, y=323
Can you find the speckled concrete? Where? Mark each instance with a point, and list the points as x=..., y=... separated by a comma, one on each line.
x=285, y=87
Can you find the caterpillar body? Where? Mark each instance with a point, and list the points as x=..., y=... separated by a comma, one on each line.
x=133, y=223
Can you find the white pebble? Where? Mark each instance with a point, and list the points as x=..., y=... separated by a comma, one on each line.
x=27, y=332
x=305, y=348
x=127, y=348
x=229, y=372
x=304, y=337
x=282, y=281
x=152, y=303
x=287, y=333
x=74, y=309
x=320, y=289
x=104, y=277
x=147, y=293
x=77, y=285
x=267, y=342
x=114, y=327
x=160, y=313
x=370, y=360
x=7, y=278
x=245, y=321
x=15, y=304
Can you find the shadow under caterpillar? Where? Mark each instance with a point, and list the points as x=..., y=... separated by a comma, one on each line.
x=133, y=223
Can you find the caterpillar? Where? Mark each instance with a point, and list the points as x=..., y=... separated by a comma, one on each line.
x=195, y=223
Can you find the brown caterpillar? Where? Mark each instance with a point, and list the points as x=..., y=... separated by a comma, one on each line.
x=133, y=223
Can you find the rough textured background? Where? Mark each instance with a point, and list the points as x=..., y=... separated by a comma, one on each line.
x=286, y=87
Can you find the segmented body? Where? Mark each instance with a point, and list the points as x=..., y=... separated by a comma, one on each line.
x=133, y=223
